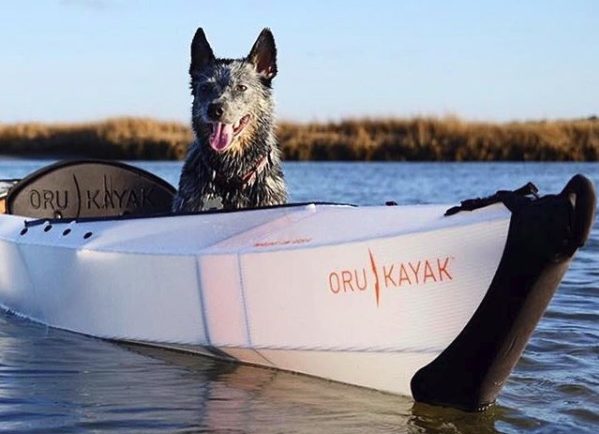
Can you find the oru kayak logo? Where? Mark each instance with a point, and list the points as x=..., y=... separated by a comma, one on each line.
x=377, y=277
x=104, y=197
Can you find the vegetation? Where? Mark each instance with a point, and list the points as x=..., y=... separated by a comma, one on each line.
x=120, y=138
x=418, y=139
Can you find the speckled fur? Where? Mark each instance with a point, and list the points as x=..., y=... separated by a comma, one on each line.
x=205, y=172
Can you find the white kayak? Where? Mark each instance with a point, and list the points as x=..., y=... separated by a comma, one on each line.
x=401, y=299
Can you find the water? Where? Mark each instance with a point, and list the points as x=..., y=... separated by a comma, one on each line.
x=54, y=381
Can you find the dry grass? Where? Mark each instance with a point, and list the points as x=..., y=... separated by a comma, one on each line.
x=418, y=139
x=120, y=138
x=447, y=139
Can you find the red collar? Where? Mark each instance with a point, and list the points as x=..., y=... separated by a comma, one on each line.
x=246, y=179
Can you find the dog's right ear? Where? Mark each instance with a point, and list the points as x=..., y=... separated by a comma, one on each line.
x=201, y=53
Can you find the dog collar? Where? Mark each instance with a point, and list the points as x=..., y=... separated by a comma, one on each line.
x=252, y=174
x=247, y=178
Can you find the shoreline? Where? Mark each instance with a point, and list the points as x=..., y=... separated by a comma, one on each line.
x=393, y=139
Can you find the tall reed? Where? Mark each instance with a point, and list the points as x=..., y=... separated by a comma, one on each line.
x=416, y=139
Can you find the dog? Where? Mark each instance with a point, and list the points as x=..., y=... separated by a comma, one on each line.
x=234, y=161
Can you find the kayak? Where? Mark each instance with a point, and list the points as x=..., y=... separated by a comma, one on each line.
x=430, y=301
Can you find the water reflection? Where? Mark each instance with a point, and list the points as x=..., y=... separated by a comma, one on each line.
x=55, y=381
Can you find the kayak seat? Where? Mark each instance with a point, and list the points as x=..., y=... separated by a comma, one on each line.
x=89, y=188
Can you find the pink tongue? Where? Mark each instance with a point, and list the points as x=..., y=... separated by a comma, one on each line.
x=221, y=137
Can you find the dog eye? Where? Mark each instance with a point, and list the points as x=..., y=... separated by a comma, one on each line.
x=205, y=87
x=241, y=87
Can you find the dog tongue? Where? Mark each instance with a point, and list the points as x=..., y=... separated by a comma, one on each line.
x=221, y=137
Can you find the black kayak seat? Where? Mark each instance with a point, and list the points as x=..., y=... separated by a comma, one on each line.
x=89, y=188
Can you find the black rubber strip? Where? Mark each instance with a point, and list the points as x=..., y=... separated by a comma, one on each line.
x=542, y=237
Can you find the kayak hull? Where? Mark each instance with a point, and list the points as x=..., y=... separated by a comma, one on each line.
x=375, y=296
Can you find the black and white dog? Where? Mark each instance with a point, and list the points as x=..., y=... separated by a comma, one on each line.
x=234, y=161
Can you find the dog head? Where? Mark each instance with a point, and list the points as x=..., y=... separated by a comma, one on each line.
x=231, y=97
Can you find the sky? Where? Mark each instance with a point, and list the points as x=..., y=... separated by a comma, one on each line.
x=84, y=60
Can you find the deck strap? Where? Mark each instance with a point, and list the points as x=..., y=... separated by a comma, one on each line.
x=510, y=198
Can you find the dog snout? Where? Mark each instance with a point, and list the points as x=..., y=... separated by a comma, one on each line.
x=215, y=111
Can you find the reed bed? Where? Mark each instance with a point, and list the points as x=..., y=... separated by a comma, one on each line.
x=415, y=139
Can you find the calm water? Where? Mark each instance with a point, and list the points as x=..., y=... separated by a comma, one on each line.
x=53, y=381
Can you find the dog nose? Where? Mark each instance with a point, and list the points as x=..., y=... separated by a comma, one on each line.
x=215, y=111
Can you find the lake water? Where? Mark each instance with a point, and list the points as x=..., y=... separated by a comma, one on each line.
x=57, y=382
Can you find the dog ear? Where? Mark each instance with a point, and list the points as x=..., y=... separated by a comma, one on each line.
x=201, y=53
x=264, y=55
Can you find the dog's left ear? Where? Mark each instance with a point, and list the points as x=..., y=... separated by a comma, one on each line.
x=264, y=55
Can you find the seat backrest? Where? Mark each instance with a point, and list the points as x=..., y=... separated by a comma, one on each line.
x=89, y=188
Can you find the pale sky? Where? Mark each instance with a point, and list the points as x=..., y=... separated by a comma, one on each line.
x=483, y=60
